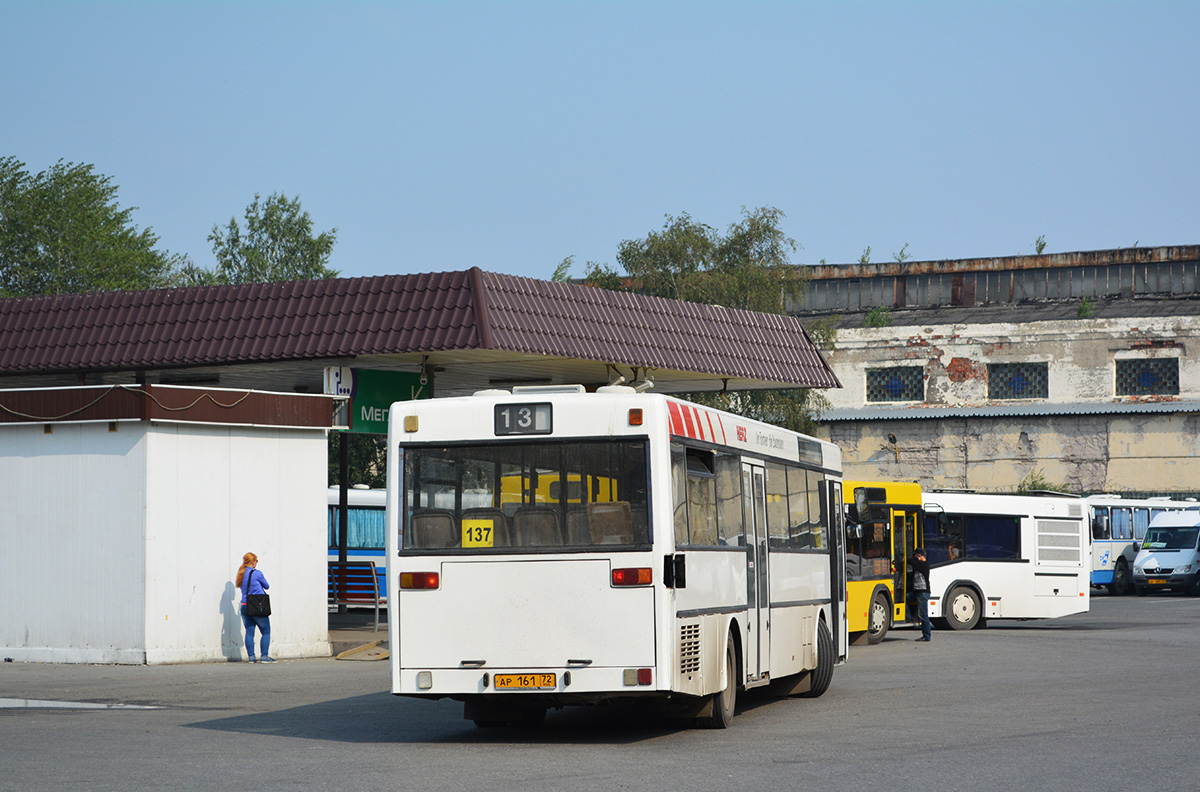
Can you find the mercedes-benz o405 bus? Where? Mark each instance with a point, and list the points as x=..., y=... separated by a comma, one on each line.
x=550, y=547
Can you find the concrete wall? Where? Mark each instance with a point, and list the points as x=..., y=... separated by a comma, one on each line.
x=122, y=543
x=1081, y=356
x=1087, y=453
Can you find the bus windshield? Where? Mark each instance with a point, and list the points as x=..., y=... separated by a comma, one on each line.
x=1171, y=539
x=503, y=496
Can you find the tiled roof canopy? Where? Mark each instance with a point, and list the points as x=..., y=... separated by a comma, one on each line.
x=425, y=314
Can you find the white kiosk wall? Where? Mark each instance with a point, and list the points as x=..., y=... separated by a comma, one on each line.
x=122, y=539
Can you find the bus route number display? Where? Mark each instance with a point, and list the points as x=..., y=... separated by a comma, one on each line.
x=524, y=419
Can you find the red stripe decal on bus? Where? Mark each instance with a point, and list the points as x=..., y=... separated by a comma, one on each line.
x=676, y=418
x=687, y=420
x=712, y=432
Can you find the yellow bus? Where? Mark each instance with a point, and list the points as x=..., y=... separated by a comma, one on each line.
x=882, y=530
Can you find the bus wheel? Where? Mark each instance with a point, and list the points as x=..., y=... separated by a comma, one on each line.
x=1120, y=584
x=724, y=702
x=964, y=608
x=880, y=620
x=822, y=675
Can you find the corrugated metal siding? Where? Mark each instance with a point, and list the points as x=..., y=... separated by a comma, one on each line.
x=1164, y=272
x=994, y=411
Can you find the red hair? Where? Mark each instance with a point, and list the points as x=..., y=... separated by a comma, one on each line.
x=247, y=560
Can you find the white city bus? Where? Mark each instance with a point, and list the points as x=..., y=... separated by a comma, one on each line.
x=1005, y=557
x=632, y=546
x=1118, y=527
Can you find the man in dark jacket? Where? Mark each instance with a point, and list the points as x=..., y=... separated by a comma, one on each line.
x=920, y=586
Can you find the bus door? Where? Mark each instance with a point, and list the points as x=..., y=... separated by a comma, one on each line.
x=758, y=595
x=837, y=571
x=904, y=542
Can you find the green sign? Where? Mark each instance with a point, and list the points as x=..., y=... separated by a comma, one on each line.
x=371, y=394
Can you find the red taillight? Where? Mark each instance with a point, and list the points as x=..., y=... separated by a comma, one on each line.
x=644, y=677
x=632, y=576
x=420, y=580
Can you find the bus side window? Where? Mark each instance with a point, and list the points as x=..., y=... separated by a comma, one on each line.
x=817, y=517
x=1122, y=525
x=728, y=472
x=679, y=493
x=777, y=504
x=801, y=534
x=1100, y=527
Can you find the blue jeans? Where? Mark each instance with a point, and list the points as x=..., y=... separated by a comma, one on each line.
x=264, y=625
x=923, y=614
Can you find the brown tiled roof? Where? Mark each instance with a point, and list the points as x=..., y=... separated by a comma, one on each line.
x=397, y=314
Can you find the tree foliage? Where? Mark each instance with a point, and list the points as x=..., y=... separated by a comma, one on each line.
x=1036, y=481
x=367, y=459
x=62, y=232
x=748, y=267
x=277, y=244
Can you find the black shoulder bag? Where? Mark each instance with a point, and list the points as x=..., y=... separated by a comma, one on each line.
x=256, y=604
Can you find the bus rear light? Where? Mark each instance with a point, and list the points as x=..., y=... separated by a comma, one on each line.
x=635, y=416
x=632, y=576
x=638, y=676
x=420, y=580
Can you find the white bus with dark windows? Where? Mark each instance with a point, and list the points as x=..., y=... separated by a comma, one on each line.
x=1005, y=557
x=1118, y=528
x=551, y=547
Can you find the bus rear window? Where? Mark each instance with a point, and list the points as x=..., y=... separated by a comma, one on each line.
x=526, y=496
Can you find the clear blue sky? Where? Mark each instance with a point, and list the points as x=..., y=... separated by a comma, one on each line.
x=444, y=135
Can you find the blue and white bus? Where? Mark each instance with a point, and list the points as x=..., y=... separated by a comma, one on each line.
x=365, y=522
x=1118, y=528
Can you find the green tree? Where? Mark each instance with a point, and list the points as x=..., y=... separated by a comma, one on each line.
x=62, y=232
x=562, y=273
x=879, y=316
x=367, y=459
x=1036, y=481
x=278, y=244
x=748, y=267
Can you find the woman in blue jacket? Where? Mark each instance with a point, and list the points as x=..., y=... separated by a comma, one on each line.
x=251, y=581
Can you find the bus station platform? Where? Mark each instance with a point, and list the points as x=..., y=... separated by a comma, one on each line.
x=352, y=635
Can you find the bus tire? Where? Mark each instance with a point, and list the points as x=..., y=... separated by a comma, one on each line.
x=725, y=701
x=963, y=608
x=1120, y=584
x=822, y=675
x=879, y=619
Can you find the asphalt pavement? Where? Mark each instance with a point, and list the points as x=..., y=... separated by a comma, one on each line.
x=1105, y=700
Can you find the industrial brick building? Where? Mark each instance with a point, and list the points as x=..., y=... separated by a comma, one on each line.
x=1080, y=367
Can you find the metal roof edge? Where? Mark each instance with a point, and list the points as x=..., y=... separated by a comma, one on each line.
x=1005, y=411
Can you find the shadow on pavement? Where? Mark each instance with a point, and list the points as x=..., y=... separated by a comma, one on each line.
x=383, y=718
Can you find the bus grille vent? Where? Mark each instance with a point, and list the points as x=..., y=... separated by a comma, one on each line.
x=1058, y=540
x=689, y=649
